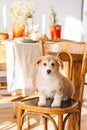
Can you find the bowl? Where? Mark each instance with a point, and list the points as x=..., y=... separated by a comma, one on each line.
x=4, y=36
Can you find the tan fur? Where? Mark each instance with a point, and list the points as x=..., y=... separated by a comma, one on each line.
x=50, y=82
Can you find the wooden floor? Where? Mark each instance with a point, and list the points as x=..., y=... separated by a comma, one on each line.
x=7, y=122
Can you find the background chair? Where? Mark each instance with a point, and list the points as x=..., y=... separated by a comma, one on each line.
x=6, y=97
x=78, y=69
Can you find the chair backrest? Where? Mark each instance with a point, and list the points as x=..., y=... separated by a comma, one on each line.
x=78, y=52
x=83, y=73
x=66, y=57
x=50, y=47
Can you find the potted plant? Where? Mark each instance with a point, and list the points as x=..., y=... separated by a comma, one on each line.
x=20, y=11
x=55, y=29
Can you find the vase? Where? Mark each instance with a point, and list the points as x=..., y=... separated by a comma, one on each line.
x=55, y=31
x=29, y=27
x=18, y=30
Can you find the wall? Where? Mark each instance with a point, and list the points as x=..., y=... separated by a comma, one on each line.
x=7, y=3
x=84, y=21
x=68, y=12
x=69, y=16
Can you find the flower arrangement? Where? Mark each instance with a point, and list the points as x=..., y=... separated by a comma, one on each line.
x=21, y=10
x=53, y=16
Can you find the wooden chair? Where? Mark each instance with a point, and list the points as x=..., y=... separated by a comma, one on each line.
x=6, y=97
x=72, y=107
x=68, y=59
x=63, y=56
x=62, y=48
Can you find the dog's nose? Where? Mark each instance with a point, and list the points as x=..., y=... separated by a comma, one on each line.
x=48, y=71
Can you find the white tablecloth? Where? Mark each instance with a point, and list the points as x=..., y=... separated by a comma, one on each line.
x=20, y=58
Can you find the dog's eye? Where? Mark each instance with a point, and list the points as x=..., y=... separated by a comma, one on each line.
x=44, y=64
x=52, y=64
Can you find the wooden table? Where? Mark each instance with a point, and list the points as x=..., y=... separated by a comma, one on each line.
x=19, y=58
x=10, y=68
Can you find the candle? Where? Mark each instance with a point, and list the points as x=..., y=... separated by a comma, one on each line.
x=43, y=24
x=4, y=18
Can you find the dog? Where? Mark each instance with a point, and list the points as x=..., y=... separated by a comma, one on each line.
x=50, y=82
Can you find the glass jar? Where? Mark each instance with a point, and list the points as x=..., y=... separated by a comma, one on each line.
x=29, y=27
x=18, y=30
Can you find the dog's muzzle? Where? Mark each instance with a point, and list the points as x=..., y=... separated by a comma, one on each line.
x=48, y=71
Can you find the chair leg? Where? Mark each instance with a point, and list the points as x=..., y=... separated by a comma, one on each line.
x=20, y=113
x=72, y=122
x=28, y=121
x=78, y=117
x=60, y=122
x=45, y=123
x=14, y=109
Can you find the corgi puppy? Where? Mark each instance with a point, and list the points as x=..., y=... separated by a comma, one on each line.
x=50, y=82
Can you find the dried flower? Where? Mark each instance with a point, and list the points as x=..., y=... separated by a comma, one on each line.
x=53, y=16
x=21, y=10
x=29, y=10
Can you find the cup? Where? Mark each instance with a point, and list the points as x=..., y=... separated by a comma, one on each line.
x=18, y=30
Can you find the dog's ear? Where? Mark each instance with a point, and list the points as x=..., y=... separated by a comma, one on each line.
x=60, y=63
x=37, y=61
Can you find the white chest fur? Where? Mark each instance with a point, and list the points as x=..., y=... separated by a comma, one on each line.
x=49, y=86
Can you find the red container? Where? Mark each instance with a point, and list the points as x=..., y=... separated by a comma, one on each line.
x=58, y=31
x=55, y=31
x=52, y=31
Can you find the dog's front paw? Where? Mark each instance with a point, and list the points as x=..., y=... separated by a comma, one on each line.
x=56, y=104
x=41, y=103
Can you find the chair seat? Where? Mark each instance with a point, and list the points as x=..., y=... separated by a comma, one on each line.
x=32, y=105
x=9, y=99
